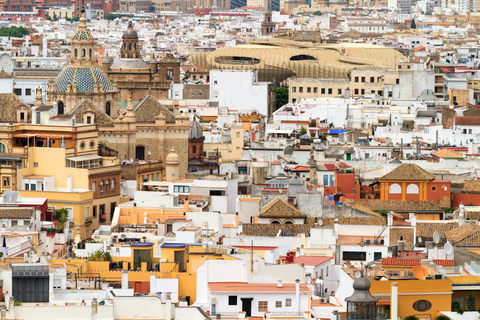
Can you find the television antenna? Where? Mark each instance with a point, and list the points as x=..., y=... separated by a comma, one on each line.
x=419, y=240
x=358, y=274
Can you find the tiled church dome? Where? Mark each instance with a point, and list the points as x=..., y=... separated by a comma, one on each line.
x=85, y=78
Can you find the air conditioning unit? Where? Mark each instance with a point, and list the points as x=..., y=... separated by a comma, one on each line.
x=322, y=300
x=156, y=266
x=367, y=241
x=438, y=277
x=375, y=241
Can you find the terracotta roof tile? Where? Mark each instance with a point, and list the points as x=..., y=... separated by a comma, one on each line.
x=468, y=234
x=408, y=172
x=426, y=229
x=16, y=213
x=471, y=186
x=416, y=262
x=254, y=287
x=467, y=121
x=279, y=208
x=402, y=205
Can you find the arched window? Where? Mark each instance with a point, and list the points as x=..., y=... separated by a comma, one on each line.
x=76, y=53
x=395, y=189
x=135, y=46
x=401, y=238
x=275, y=222
x=108, y=108
x=113, y=184
x=194, y=149
x=107, y=186
x=83, y=53
x=201, y=150
x=129, y=46
x=288, y=222
x=61, y=107
x=412, y=189
x=3, y=148
x=90, y=53
x=101, y=186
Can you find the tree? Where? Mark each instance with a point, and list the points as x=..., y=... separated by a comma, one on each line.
x=317, y=13
x=442, y=317
x=17, y=32
x=282, y=97
x=413, y=25
x=303, y=130
x=112, y=16
x=411, y=318
x=62, y=215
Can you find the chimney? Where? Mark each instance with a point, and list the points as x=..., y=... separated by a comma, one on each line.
x=394, y=306
x=168, y=308
x=124, y=279
x=94, y=309
x=279, y=284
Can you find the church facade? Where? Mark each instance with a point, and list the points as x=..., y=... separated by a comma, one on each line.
x=136, y=78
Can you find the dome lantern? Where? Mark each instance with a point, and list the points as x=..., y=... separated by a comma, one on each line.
x=361, y=304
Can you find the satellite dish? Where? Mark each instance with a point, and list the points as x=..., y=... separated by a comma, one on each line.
x=448, y=248
x=320, y=222
x=308, y=279
x=419, y=272
x=419, y=240
x=149, y=153
x=358, y=274
x=35, y=258
x=436, y=237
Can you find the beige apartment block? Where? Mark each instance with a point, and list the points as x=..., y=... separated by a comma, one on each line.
x=266, y=4
x=60, y=13
x=362, y=81
x=135, y=5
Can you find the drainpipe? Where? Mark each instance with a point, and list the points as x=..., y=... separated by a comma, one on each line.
x=394, y=302
x=297, y=294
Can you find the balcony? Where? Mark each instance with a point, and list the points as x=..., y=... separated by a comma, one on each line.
x=88, y=221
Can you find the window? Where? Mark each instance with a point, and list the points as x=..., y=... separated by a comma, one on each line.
x=6, y=182
x=278, y=304
x=62, y=144
x=300, y=89
x=354, y=255
x=3, y=149
x=372, y=79
x=38, y=117
x=363, y=91
x=22, y=115
x=470, y=131
x=377, y=256
x=395, y=189
x=294, y=89
x=288, y=302
x=27, y=186
x=356, y=91
x=363, y=79
x=113, y=184
x=28, y=92
x=326, y=271
x=82, y=145
x=309, y=90
x=315, y=90
x=87, y=212
x=18, y=92
x=323, y=90
x=35, y=164
x=242, y=170
x=412, y=189
x=339, y=91
x=92, y=144
x=14, y=222
x=434, y=189
x=367, y=155
x=217, y=192
x=232, y=300
x=262, y=306
x=181, y=189
x=33, y=187
x=356, y=79
x=94, y=211
x=397, y=81
x=215, y=82
x=330, y=91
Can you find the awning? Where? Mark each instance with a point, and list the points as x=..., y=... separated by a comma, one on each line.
x=86, y=157
x=10, y=157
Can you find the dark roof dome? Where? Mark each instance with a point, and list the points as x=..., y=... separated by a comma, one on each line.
x=361, y=284
x=195, y=131
x=84, y=78
x=130, y=31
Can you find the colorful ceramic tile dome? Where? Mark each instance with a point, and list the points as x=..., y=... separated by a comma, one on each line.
x=84, y=77
x=82, y=34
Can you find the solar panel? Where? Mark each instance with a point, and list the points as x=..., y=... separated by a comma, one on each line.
x=14, y=196
x=7, y=196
